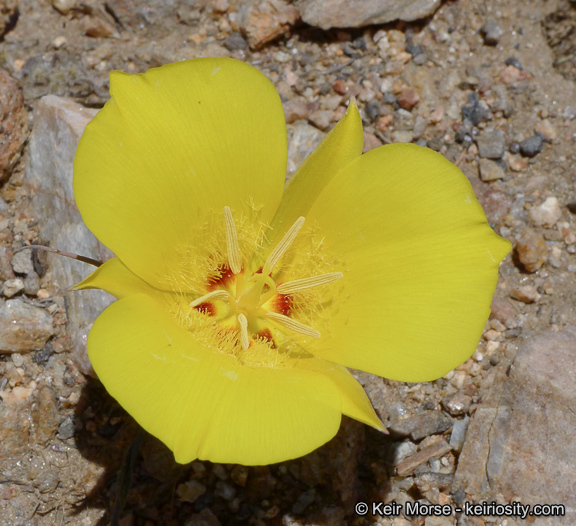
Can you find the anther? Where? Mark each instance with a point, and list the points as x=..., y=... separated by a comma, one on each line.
x=234, y=256
x=292, y=324
x=307, y=283
x=283, y=246
x=214, y=295
x=244, y=338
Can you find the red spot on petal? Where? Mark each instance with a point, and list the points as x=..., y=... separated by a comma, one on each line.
x=223, y=280
x=283, y=304
x=206, y=308
x=266, y=334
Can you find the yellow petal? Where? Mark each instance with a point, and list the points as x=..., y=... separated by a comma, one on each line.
x=170, y=150
x=206, y=405
x=355, y=402
x=419, y=259
x=343, y=144
x=116, y=279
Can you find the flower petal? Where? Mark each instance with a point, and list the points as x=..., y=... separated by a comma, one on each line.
x=420, y=264
x=116, y=279
x=171, y=145
x=355, y=402
x=205, y=405
x=343, y=144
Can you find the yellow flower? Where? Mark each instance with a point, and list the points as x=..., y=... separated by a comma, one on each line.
x=240, y=303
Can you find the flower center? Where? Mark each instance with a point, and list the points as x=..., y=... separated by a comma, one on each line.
x=256, y=306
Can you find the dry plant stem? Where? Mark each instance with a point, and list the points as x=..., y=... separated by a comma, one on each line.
x=84, y=259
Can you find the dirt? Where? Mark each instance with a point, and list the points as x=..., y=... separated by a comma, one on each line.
x=443, y=82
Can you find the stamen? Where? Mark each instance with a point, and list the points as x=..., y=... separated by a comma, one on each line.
x=234, y=256
x=307, y=283
x=214, y=295
x=283, y=246
x=293, y=325
x=244, y=338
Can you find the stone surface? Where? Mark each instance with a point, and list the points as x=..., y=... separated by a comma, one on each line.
x=546, y=214
x=342, y=13
x=422, y=425
x=8, y=14
x=492, y=145
x=526, y=426
x=303, y=139
x=437, y=449
x=532, y=250
x=58, y=125
x=263, y=21
x=490, y=171
x=23, y=327
x=13, y=123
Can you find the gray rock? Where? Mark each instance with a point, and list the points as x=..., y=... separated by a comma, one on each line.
x=520, y=442
x=58, y=125
x=302, y=141
x=67, y=428
x=22, y=262
x=343, y=13
x=23, y=327
x=492, y=144
x=492, y=32
x=532, y=146
x=459, y=433
x=491, y=171
x=235, y=42
x=422, y=425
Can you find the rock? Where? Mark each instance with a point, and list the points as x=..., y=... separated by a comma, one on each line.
x=502, y=308
x=532, y=250
x=235, y=42
x=547, y=214
x=546, y=129
x=408, y=98
x=343, y=13
x=63, y=6
x=44, y=415
x=475, y=112
x=190, y=491
x=458, y=434
x=512, y=75
x=422, y=425
x=492, y=145
x=11, y=287
x=457, y=404
x=525, y=293
x=491, y=171
x=13, y=123
x=373, y=110
x=370, y=142
x=6, y=271
x=400, y=451
x=437, y=449
x=302, y=140
x=525, y=427
x=67, y=428
x=495, y=203
x=321, y=119
x=295, y=110
x=58, y=125
x=532, y=146
x=491, y=32
x=8, y=14
x=264, y=21
x=22, y=262
x=513, y=61
x=23, y=327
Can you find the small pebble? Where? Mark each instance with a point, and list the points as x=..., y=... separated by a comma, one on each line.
x=532, y=250
x=490, y=171
x=408, y=98
x=532, y=146
x=546, y=214
x=190, y=491
x=11, y=287
x=492, y=32
x=235, y=42
x=525, y=294
x=513, y=61
x=491, y=145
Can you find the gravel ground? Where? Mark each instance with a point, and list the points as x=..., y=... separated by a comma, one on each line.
x=490, y=85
